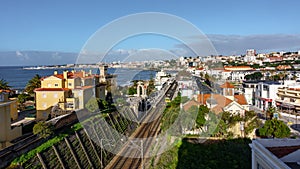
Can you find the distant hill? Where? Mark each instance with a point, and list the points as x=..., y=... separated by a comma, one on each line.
x=32, y=58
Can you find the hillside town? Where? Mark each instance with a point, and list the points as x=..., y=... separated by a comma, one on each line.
x=242, y=92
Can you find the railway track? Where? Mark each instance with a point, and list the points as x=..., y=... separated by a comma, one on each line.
x=137, y=148
x=131, y=155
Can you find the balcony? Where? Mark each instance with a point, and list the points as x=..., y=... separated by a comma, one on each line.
x=287, y=102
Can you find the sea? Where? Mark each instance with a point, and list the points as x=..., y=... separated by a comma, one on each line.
x=17, y=77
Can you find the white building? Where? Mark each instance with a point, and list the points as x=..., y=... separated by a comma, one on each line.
x=161, y=78
x=249, y=91
x=275, y=153
x=250, y=56
x=266, y=93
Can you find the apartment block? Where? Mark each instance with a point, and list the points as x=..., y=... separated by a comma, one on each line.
x=7, y=132
x=61, y=93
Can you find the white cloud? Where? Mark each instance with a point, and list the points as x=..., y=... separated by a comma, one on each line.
x=237, y=44
x=22, y=56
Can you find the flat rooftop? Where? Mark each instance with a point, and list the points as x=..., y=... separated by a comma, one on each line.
x=286, y=150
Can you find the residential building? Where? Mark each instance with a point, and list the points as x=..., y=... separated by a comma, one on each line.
x=250, y=52
x=266, y=93
x=275, y=153
x=249, y=88
x=288, y=98
x=187, y=88
x=7, y=132
x=226, y=101
x=238, y=68
x=69, y=91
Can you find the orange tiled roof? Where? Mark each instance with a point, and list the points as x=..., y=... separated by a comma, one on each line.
x=226, y=70
x=189, y=104
x=227, y=85
x=222, y=101
x=5, y=91
x=236, y=67
x=283, y=67
x=70, y=75
x=240, y=99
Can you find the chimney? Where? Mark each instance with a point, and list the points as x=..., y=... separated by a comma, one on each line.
x=90, y=72
x=65, y=74
x=83, y=73
x=55, y=72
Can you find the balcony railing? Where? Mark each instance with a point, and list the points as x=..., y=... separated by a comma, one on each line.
x=287, y=102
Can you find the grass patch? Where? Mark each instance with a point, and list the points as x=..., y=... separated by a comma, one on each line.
x=25, y=157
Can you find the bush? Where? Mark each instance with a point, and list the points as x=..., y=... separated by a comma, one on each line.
x=274, y=128
x=43, y=129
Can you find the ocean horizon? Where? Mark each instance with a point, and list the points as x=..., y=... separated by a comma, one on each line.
x=17, y=77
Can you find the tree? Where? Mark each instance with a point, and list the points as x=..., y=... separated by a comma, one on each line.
x=202, y=112
x=22, y=98
x=151, y=86
x=43, y=129
x=132, y=89
x=254, y=76
x=4, y=85
x=33, y=83
x=92, y=105
x=270, y=112
x=274, y=128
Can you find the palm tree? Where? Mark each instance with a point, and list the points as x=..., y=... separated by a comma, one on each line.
x=270, y=112
x=33, y=83
x=4, y=85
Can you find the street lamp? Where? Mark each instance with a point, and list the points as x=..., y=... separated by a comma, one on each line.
x=242, y=123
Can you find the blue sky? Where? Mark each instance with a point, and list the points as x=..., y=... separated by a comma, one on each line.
x=65, y=26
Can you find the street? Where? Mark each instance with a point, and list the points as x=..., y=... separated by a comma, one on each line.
x=291, y=120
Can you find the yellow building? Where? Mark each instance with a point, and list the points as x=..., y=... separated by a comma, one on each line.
x=7, y=132
x=60, y=93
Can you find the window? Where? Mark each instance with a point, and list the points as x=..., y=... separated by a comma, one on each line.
x=55, y=84
x=70, y=105
x=55, y=95
x=70, y=84
x=49, y=85
x=1, y=97
x=44, y=95
x=44, y=105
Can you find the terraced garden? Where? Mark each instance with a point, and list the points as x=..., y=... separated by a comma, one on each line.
x=77, y=148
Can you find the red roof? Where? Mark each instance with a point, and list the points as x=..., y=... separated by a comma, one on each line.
x=222, y=101
x=51, y=89
x=227, y=85
x=240, y=99
x=189, y=104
